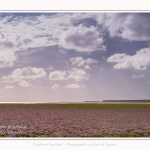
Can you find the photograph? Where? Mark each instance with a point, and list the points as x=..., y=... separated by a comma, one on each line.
x=74, y=74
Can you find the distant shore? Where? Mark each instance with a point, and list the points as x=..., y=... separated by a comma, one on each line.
x=128, y=101
x=82, y=102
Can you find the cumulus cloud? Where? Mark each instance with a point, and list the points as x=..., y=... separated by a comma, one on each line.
x=30, y=32
x=7, y=58
x=8, y=87
x=130, y=26
x=77, y=74
x=139, y=61
x=58, y=75
x=82, y=39
x=73, y=86
x=56, y=86
x=79, y=61
x=38, y=30
x=27, y=73
x=25, y=84
x=78, y=31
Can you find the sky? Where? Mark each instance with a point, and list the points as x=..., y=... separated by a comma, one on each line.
x=74, y=56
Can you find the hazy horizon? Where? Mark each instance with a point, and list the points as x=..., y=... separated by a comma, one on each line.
x=74, y=57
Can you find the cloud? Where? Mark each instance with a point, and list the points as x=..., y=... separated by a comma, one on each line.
x=58, y=75
x=87, y=67
x=73, y=86
x=81, y=39
x=79, y=61
x=34, y=34
x=77, y=74
x=6, y=44
x=78, y=31
x=7, y=58
x=87, y=22
x=38, y=30
x=55, y=86
x=134, y=76
x=27, y=73
x=25, y=84
x=26, y=32
x=8, y=87
x=27, y=41
x=69, y=86
x=139, y=61
x=129, y=26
